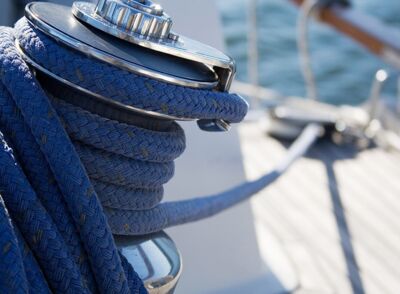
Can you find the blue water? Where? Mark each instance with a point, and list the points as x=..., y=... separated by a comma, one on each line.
x=344, y=70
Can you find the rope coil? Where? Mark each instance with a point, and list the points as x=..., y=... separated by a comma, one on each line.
x=52, y=198
x=70, y=178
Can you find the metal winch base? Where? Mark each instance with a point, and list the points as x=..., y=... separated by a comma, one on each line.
x=155, y=258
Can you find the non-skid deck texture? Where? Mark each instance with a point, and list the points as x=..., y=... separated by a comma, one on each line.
x=336, y=213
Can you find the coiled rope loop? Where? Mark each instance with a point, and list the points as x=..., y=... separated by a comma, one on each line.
x=62, y=168
x=69, y=178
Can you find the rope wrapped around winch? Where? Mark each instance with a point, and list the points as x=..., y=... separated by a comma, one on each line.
x=70, y=178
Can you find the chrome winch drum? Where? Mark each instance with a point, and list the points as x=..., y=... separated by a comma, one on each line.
x=137, y=36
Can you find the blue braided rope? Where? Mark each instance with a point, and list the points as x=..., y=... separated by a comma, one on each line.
x=34, y=275
x=33, y=221
x=78, y=193
x=70, y=178
x=39, y=174
x=12, y=274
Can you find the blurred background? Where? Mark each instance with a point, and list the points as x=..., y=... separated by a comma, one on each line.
x=344, y=70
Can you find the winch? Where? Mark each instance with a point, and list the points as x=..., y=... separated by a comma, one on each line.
x=137, y=36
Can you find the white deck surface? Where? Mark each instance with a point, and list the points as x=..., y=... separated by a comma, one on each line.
x=336, y=214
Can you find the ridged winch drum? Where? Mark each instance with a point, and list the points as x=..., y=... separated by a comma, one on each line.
x=141, y=17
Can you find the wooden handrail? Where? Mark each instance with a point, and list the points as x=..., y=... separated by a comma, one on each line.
x=379, y=38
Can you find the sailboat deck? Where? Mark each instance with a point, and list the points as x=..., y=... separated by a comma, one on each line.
x=335, y=214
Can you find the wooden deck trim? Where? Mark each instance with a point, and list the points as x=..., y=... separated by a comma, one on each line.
x=379, y=38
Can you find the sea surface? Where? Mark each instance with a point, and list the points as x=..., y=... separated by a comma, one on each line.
x=343, y=69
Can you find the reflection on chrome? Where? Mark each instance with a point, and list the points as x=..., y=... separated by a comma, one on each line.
x=155, y=258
